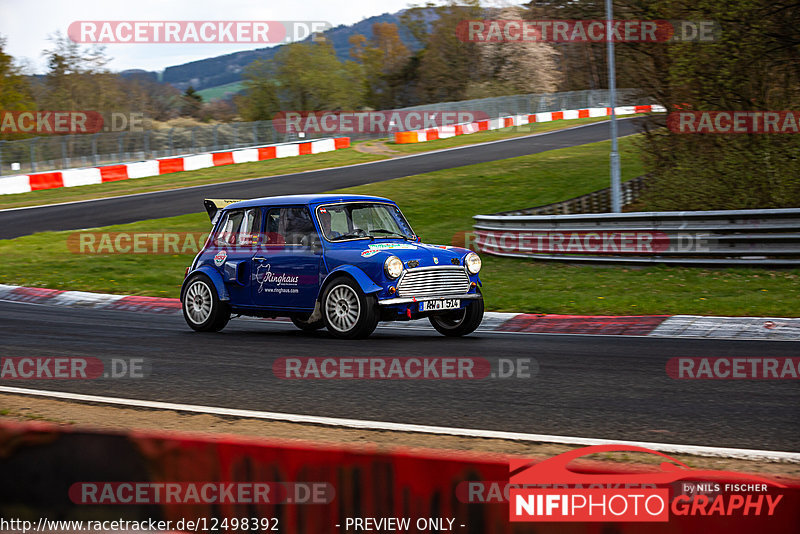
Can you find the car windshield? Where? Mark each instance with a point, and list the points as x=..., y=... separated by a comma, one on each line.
x=363, y=220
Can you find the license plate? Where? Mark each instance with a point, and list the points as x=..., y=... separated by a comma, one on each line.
x=441, y=304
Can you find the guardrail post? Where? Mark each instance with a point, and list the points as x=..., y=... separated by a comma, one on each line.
x=235, y=135
x=64, y=159
x=255, y=133
x=120, y=145
x=146, y=144
x=171, y=147
x=612, y=89
x=216, y=137
x=33, y=154
x=2, y=142
x=193, y=137
x=95, y=162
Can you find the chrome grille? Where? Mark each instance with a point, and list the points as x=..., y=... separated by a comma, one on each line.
x=433, y=281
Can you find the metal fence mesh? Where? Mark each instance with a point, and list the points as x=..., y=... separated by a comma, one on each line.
x=40, y=154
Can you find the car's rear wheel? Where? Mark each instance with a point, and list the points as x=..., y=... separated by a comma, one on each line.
x=301, y=322
x=459, y=322
x=348, y=312
x=202, y=308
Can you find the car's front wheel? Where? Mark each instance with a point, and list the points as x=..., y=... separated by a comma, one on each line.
x=202, y=308
x=348, y=312
x=459, y=322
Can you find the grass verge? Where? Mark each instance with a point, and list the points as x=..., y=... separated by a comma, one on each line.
x=440, y=205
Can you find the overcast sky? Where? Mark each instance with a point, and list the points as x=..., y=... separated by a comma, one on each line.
x=26, y=24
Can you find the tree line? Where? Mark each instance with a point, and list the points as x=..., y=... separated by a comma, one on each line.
x=382, y=73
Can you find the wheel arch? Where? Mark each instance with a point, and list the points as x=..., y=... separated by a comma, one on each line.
x=216, y=280
x=364, y=282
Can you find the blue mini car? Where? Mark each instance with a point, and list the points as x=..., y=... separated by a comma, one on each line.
x=343, y=262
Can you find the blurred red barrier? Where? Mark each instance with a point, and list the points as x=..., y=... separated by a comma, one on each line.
x=41, y=462
x=46, y=180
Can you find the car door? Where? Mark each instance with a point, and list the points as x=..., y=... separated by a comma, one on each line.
x=287, y=261
x=235, y=244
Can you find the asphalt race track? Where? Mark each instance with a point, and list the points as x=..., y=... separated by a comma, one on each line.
x=587, y=386
x=130, y=208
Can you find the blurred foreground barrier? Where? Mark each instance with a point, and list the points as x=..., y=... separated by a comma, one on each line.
x=63, y=473
x=769, y=237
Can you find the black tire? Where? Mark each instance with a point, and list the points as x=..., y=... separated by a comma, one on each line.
x=459, y=322
x=339, y=301
x=202, y=309
x=301, y=322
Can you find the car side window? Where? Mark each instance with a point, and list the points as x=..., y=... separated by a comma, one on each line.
x=228, y=228
x=250, y=227
x=334, y=221
x=290, y=226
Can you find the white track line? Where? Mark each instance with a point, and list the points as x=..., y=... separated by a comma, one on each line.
x=417, y=155
x=748, y=454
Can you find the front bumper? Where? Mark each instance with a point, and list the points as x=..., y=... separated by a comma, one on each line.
x=411, y=300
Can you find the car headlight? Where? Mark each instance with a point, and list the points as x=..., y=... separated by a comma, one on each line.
x=393, y=267
x=473, y=263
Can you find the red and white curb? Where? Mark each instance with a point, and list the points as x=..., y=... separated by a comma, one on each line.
x=84, y=299
x=691, y=326
x=443, y=132
x=779, y=328
x=25, y=183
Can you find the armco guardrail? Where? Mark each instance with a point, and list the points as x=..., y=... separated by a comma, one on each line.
x=594, y=202
x=768, y=237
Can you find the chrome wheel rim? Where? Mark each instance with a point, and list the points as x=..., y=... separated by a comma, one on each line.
x=198, y=302
x=342, y=308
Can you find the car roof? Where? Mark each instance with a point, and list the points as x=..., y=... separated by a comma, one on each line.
x=303, y=199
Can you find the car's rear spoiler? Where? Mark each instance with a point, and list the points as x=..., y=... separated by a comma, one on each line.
x=213, y=205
